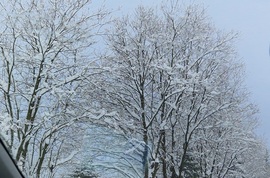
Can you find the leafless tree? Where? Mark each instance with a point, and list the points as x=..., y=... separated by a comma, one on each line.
x=46, y=54
x=175, y=82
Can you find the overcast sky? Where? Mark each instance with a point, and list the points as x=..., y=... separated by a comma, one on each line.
x=251, y=19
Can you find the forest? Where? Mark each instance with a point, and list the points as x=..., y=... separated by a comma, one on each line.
x=156, y=93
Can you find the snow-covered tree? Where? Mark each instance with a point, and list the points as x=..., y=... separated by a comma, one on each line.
x=45, y=56
x=175, y=82
x=166, y=99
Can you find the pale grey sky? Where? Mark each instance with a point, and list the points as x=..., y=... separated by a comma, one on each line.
x=251, y=19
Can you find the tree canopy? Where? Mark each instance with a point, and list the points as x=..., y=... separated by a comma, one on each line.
x=155, y=94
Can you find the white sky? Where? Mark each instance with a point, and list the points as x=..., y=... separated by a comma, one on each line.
x=251, y=19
